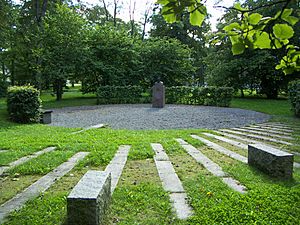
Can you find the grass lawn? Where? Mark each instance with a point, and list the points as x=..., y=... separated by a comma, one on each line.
x=139, y=197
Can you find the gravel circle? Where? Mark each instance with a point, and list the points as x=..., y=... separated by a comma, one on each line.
x=144, y=117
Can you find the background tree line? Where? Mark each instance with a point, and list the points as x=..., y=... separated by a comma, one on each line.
x=47, y=43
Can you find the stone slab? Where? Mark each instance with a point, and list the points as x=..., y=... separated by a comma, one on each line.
x=229, y=141
x=272, y=161
x=272, y=128
x=39, y=186
x=268, y=130
x=280, y=125
x=168, y=176
x=100, y=125
x=160, y=154
x=263, y=133
x=25, y=159
x=180, y=205
x=254, y=142
x=171, y=183
x=214, y=168
x=116, y=165
x=221, y=149
x=257, y=137
x=235, y=185
x=89, y=200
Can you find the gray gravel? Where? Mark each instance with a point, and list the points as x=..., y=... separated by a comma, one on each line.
x=142, y=116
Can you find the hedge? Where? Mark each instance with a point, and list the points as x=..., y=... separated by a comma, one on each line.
x=23, y=104
x=120, y=95
x=294, y=96
x=212, y=96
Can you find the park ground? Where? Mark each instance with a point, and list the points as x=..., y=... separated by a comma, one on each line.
x=139, y=197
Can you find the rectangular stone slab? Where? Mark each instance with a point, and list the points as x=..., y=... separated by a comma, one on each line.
x=270, y=160
x=89, y=200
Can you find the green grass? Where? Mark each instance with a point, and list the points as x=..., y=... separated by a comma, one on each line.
x=139, y=197
x=270, y=106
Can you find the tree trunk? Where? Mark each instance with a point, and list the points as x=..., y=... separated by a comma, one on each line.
x=242, y=93
x=115, y=12
x=105, y=9
x=59, y=89
x=3, y=72
x=12, y=73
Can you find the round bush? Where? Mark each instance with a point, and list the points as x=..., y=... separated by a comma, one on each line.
x=23, y=104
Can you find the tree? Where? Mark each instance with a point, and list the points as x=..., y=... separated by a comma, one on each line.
x=193, y=36
x=253, y=30
x=65, y=45
x=113, y=59
x=166, y=60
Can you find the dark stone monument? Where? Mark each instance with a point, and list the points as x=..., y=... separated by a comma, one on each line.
x=158, y=95
x=270, y=160
x=46, y=117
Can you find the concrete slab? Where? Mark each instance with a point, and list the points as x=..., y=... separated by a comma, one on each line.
x=268, y=130
x=229, y=141
x=181, y=206
x=116, y=165
x=25, y=159
x=272, y=128
x=259, y=137
x=221, y=149
x=171, y=183
x=214, y=168
x=263, y=133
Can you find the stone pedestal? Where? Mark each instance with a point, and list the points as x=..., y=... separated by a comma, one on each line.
x=46, y=117
x=158, y=95
x=89, y=200
x=270, y=160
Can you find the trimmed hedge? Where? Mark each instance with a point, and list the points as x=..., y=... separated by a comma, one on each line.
x=120, y=95
x=294, y=96
x=212, y=96
x=23, y=104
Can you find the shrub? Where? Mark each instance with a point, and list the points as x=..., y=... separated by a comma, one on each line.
x=294, y=95
x=23, y=104
x=120, y=94
x=213, y=96
x=3, y=89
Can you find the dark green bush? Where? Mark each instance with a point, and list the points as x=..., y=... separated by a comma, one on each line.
x=3, y=89
x=294, y=95
x=120, y=95
x=23, y=104
x=213, y=96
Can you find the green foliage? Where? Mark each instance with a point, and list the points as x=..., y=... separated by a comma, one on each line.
x=252, y=30
x=113, y=59
x=120, y=94
x=294, y=95
x=64, y=47
x=166, y=60
x=171, y=10
x=23, y=104
x=213, y=96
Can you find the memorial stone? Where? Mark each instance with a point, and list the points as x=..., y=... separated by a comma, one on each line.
x=158, y=95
